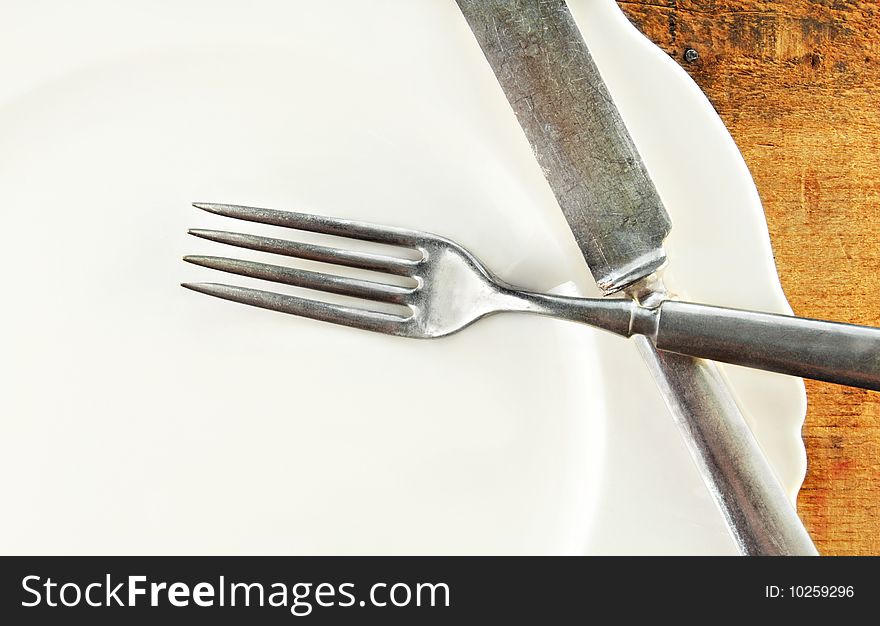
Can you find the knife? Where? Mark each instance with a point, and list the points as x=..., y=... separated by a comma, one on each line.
x=620, y=223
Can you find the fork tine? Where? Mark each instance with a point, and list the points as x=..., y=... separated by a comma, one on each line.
x=311, y=252
x=318, y=224
x=304, y=278
x=323, y=311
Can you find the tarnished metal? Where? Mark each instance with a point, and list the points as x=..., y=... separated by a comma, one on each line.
x=757, y=510
x=578, y=135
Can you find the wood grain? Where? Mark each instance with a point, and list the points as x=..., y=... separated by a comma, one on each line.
x=797, y=82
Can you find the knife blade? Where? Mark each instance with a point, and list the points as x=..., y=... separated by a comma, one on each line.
x=619, y=222
x=578, y=136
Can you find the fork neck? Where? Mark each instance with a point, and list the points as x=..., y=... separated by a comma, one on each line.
x=620, y=316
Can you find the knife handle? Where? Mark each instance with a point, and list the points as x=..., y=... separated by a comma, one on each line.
x=760, y=516
x=829, y=351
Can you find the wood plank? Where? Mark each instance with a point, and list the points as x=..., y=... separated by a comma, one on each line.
x=798, y=85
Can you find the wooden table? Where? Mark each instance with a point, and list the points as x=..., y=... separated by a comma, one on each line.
x=797, y=82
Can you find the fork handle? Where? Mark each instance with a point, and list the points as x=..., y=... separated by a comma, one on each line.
x=834, y=352
x=831, y=351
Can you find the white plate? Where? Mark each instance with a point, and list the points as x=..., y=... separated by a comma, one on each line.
x=138, y=417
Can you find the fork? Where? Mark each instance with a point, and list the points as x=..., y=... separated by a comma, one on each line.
x=453, y=290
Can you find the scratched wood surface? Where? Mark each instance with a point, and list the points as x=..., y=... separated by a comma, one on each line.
x=797, y=82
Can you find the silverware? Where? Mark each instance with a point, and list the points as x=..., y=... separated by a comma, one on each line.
x=563, y=105
x=452, y=289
